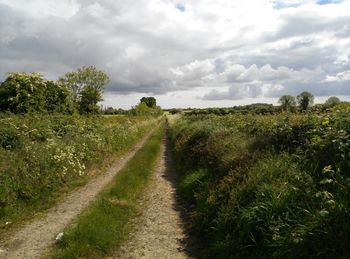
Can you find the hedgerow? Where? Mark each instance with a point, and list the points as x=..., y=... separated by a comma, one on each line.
x=267, y=186
x=41, y=154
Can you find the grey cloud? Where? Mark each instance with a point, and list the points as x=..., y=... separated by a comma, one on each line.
x=243, y=91
x=143, y=50
x=307, y=23
x=102, y=41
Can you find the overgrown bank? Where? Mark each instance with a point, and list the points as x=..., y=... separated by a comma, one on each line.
x=267, y=186
x=41, y=154
x=104, y=226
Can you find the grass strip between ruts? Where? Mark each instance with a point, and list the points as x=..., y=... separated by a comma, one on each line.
x=104, y=225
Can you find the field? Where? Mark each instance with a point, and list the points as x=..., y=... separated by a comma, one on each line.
x=266, y=186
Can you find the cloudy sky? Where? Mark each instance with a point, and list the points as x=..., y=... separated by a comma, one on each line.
x=195, y=53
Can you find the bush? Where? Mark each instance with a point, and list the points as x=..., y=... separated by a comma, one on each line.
x=30, y=92
x=143, y=110
x=267, y=186
x=40, y=154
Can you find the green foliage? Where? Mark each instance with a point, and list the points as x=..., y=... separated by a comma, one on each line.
x=113, y=111
x=175, y=111
x=287, y=102
x=87, y=85
x=332, y=101
x=149, y=101
x=30, y=92
x=256, y=108
x=40, y=154
x=58, y=98
x=305, y=100
x=83, y=77
x=104, y=225
x=143, y=110
x=89, y=97
x=267, y=186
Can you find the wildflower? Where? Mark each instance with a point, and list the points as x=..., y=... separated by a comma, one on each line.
x=59, y=236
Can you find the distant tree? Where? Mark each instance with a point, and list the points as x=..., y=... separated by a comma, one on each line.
x=175, y=111
x=332, y=101
x=87, y=85
x=305, y=100
x=143, y=110
x=109, y=111
x=287, y=102
x=89, y=97
x=149, y=101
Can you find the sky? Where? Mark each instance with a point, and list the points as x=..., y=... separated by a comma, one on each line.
x=195, y=53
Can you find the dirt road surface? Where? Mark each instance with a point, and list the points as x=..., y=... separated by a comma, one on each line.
x=159, y=233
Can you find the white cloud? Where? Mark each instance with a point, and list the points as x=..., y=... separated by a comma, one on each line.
x=222, y=49
x=339, y=77
x=44, y=8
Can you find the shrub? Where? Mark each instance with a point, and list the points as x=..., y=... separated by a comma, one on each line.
x=267, y=186
x=30, y=92
x=40, y=154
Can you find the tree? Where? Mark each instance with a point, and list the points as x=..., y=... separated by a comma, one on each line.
x=89, y=97
x=57, y=98
x=31, y=92
x=305, y=100
x=87, y=85
x=149, y=101
x=332, y=101
x=140, y=110
x=287, y=102
x=23, y=92
x=143, y=110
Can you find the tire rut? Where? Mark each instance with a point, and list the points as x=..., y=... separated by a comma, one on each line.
x=159, y=233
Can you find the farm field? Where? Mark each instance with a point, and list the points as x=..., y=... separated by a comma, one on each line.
x=266, y=186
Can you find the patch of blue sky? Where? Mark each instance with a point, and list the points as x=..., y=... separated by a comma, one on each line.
x=324, y=2
x=181, y=7
x=283, y=4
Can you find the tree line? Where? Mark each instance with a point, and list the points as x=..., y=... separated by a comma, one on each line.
x=78, y=90
x=81, y=90
x=304, y=101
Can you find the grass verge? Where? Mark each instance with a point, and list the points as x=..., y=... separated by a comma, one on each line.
x=104, y=225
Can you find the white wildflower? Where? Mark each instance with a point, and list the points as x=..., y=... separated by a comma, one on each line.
x=59, y=236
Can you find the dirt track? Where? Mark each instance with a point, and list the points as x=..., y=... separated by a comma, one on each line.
x=36, y=237
x=159, y=233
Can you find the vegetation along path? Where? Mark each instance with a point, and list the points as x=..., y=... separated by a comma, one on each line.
x=159, y=233
x=33, y=239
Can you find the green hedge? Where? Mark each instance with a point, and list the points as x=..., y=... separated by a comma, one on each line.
x=40, y=154
x=267, y=186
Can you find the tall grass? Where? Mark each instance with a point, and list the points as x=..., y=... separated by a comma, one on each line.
x=42, y=154
x=105, y=225
x=275, y=189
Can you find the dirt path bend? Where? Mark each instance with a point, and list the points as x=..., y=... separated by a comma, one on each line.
x=36, y=237
x=159, y=233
